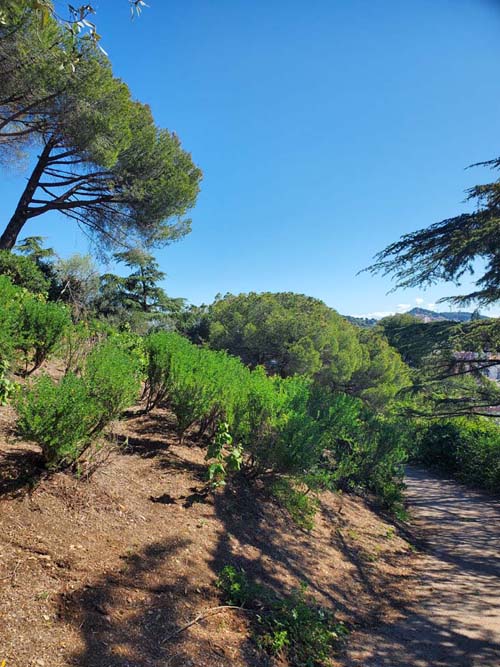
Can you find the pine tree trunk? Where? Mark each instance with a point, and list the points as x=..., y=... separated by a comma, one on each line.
x=21, y=214
x=9, y=237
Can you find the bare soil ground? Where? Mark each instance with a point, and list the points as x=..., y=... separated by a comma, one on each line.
x=102, y=572
x=456, y=620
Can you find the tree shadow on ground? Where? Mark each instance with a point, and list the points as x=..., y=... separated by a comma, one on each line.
x=20, y=471
x=152, y=437
x=419, y=640
x=140, y=616
x=126, y=616
x=265, y=552
x=453, y=623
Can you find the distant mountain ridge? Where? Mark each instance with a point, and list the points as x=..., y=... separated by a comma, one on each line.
x=422, y=314
x=433, y=316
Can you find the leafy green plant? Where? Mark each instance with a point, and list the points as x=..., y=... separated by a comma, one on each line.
x=294, y=626
x=23, y=272
x=7, y=386
x=468, y=448
x=65, y=418
x=296, y=433
x=228, y=457
x=112, y=377
x=60, y=417
x=11, y=299
x=301, y=506
x=77, y=343
x=41, y=327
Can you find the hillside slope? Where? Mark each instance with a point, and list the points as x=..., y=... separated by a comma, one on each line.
x=102, y=571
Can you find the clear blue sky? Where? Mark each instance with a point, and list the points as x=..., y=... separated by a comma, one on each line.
x=325, y=130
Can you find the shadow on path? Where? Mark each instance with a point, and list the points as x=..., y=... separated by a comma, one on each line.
x=456, y=623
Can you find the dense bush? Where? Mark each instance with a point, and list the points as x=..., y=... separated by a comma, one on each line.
x=293, y=334
x=41, y=326
x=112, y=377
x=468, y=448
x=10, y=305
x=294, y=626
x=7, y=386
x=285, y=332
x=299, y=435
x=66, y=417
x=29, y=325
x=58, y=416
x=200, y=385
x=23, y=272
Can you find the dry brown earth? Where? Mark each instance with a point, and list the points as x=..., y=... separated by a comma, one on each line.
x=99, y=572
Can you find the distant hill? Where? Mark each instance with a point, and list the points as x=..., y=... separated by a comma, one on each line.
x=433, y=316
x=421, y=314
x=364, y=322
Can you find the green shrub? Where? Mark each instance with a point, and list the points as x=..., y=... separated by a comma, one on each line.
x=362, y=450
x=40, y=328
x=199, y=385
x=65, y=418
x=159, y=350
x=113, y=379
x=10, y=305
x=226, y=457
x=23, y=272
x=58, y=416
x=28, y=324
x=7, y=386
x=78, y=341
x=295, y=626
x=281, y=428
x=301, y=506
x=466, y=447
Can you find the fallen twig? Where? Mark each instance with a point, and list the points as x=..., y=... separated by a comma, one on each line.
x=206, y=614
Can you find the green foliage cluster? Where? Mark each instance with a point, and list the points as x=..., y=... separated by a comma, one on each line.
x=296, y=499
x=102, y=160
x=226, y=456
x=65, y=418
x=292, y=334
x=58, y=416
x=41, y=326
x=29, y=325
x=449, y=249
x=297, y=434
x=7, y=386
x=286, y=333
x=294, y=627
x=23, y=272
x=134, y=301
x=10, y=306
x=466, y=447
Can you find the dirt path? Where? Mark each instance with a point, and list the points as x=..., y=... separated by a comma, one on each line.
x=456, y=620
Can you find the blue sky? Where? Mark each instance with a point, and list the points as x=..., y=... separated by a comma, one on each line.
x=325, y=130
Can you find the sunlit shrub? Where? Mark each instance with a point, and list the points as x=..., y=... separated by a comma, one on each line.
x=23, y=272
x=65, y=418
x=58, y=416
x=40, y=328
x=289, y=431
x=112, y=377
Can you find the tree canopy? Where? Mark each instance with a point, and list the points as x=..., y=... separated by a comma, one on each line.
x=450, y=362
x=102, y=162
x=291, y=334
x=285, y=332
x=449, y=249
